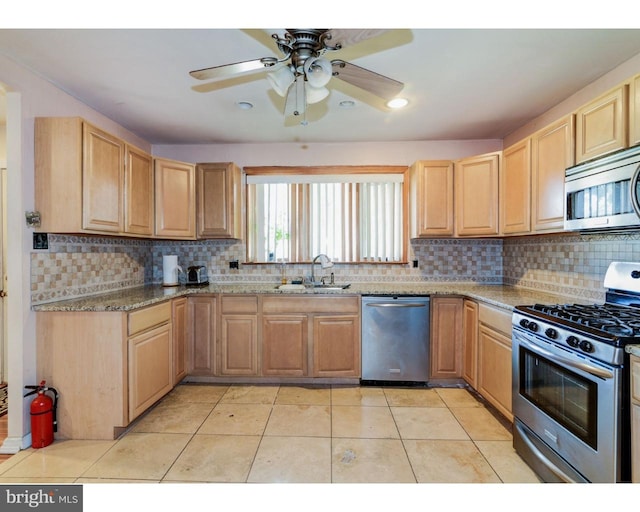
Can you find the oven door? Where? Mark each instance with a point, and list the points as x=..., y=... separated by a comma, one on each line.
x=567, y=411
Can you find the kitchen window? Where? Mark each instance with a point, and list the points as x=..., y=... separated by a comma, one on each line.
x=351, y=214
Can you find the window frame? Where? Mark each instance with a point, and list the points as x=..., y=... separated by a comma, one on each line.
x=337, y=169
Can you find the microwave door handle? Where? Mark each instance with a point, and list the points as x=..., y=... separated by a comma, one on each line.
x=597, y=372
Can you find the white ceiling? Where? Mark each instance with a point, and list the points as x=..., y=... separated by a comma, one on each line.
x=461, y=83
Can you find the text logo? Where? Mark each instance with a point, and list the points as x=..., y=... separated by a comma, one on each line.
x=61, y=498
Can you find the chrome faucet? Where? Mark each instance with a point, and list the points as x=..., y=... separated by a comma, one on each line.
x=325, y=262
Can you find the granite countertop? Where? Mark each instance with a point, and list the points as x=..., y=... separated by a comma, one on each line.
x=134, y=298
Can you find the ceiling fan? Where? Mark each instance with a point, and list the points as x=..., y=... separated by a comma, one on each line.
x=302, y=74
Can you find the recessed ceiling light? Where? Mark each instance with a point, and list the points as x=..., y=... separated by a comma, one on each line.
x=347, y=104
x=244, y=105
x=397, y=103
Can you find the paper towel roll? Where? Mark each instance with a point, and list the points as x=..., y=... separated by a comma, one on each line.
x=170, y=269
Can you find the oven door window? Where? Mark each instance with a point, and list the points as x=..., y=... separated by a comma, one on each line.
x=568, y=398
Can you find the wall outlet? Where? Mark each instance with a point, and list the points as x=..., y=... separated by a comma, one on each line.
x=234, y=264
x=40, y=241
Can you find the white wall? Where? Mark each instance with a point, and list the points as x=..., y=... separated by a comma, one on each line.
x=366, y=153
x=574, y=102
x=3, y=142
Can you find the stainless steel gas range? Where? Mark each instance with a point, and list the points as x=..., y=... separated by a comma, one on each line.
x=571, y=383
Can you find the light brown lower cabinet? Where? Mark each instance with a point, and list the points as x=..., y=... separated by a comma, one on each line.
x=239, y=335
x=470, y=342
x=107, y=366
x=202, y=334
x=336, y=344
x=284, y=345
x=494, y=357
x=179, y=320
x=446, y=337
x=315, y=336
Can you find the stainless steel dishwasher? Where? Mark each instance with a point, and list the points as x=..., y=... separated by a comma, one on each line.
x=395, y=339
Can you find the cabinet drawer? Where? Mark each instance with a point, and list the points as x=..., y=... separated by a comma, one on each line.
x=635, y=378
x=144, y=319
x=498, y=319
x=296, y=304
x=232, y=304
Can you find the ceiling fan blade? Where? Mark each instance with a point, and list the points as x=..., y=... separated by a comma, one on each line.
x=380, y=85
x=229, y=70
x=348, y=37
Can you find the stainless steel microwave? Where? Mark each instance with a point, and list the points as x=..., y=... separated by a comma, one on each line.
x=604, y=193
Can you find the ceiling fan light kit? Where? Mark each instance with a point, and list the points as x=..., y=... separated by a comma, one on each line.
x=303, y=78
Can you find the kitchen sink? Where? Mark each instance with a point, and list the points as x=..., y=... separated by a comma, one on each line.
x=318, y=286
x=334, y=286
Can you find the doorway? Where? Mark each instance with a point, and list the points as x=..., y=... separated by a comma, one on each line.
x=3, y=338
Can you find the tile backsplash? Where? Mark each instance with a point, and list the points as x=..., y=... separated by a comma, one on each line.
x=571, y=264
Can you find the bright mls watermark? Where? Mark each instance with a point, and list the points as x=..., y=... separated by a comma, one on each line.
x=58, y=498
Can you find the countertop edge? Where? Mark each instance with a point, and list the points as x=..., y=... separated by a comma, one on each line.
x=502, y=296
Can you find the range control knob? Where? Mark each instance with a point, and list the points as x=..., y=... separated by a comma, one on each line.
x=572, y=341
x=551, y=333
x=586, y=346
x=524, y=323
x=533, y=327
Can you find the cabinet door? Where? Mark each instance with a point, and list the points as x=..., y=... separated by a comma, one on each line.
x=336, y=346
x=431, y=204
x=138, y=178
x=601, y=125
x=175, y=199
x=102, y=181
x=470, y=342
x=219, y=201
x=553, y=150
x=494, y=369
x=284, y=345
x=634, y=111
x=179, y=323
x=239, y=345
x=202, y=335
x=446, y=337
x=150, y=368
x=476, y=187
x=515, y=189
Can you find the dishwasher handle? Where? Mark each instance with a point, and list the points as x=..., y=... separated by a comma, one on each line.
x=398, y=304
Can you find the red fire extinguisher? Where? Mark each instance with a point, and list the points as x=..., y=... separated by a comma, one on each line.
x=43, y=415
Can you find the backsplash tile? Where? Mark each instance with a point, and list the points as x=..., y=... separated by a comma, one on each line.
x=75, y=266
x=570, y=264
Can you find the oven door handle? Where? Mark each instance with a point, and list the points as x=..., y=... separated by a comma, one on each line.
x=542, y=458
x=593, y=370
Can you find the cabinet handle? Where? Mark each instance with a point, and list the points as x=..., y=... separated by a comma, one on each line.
x=3, y=294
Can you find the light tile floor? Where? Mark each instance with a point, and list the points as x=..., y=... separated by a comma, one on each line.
x=307, y=434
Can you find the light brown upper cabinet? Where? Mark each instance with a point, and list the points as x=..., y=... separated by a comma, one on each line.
x=476, y=195
x=553, y=151
x=138, y=182
x=102, y=180
x=89, y=181
x=174, y=199
x=634, y=111
x=431, y=198
x=515, y=189
x=219, y=191
x=602, y=125
x=79, y=177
